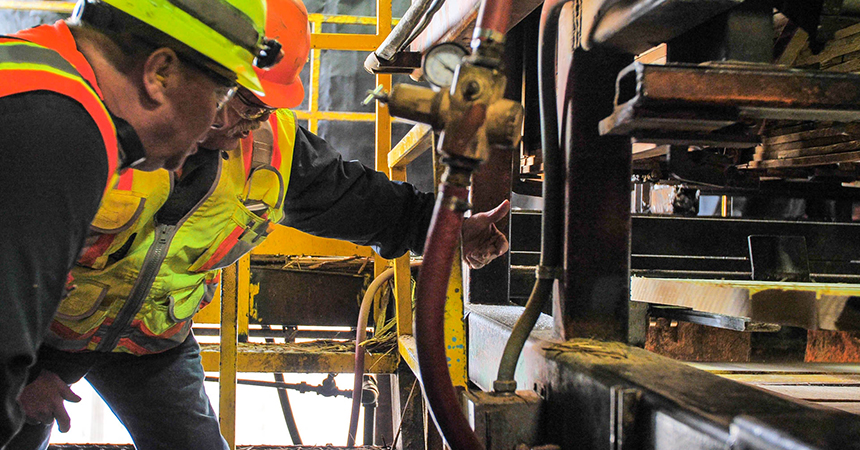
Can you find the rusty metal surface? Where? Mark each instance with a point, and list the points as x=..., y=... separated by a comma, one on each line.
x=706, y=98
x=593, y=299
x=680, y=407
x=284, y=296
x=833, y=346
x=300, y=358
x=635, y=26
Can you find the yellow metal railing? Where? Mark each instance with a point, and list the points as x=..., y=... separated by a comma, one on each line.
x=237, y=290
x=416, y=142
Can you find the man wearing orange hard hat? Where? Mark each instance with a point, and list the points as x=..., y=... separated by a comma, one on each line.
x=162, y=238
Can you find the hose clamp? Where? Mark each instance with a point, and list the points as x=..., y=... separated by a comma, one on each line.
x=486, y=35
x=457, y=204
x=549, y=273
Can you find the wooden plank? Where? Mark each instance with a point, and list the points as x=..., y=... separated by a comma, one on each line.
x=418, y=140
x=832, y=49
x=720, y=368
x=819, y=132
x=796, y=45
x=645, y=151
x=817, y=393
x=806, y=305
x=847, y=31
x=811, y=151
x=806, y=161
x=810, y=142
x=794, y=378
x=832, y=346
x=846, y=66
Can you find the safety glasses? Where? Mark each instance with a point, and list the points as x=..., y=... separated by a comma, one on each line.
x=224, y=94
x=249, y=110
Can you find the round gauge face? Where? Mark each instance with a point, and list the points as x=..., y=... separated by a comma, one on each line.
x=441, y=61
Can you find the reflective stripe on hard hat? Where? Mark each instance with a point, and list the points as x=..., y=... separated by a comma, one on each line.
x=228, y=32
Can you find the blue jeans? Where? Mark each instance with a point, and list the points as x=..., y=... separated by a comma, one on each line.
x=158, y=398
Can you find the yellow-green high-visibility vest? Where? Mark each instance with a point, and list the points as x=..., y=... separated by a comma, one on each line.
x=143, y=300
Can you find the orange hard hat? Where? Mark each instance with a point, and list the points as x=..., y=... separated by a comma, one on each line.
x=286, y=22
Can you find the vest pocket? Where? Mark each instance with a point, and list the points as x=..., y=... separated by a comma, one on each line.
x=184, y=303
x=119, y=210
x=84, y=301
x=233, y=243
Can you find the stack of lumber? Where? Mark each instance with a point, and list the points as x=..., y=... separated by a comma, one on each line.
x=808, y=144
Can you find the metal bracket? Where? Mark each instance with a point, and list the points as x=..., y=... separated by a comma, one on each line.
x=402, y=62
x=624, y=403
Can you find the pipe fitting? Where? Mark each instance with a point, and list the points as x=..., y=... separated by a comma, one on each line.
x=504, y=386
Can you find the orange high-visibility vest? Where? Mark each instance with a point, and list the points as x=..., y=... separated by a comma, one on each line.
x=46, y=58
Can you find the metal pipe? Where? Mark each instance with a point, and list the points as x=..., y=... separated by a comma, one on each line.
x=552, y=217
x=401, y=32
x=284, y=399
x=360, y=336
x=369, y=419
x=325, y=391
x=369, y=398
x=431, y=291
x=494, y=15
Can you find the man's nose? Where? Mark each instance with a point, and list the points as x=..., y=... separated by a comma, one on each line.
x=220, y=119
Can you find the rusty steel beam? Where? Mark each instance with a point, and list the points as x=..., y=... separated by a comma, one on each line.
x=297, y=358
x=637, y=25
x=593, y=299
x=706, y=98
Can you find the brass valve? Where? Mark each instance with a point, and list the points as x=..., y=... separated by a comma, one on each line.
x=471, y=116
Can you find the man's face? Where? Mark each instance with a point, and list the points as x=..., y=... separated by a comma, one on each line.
x=241, y=115
x=187, y=119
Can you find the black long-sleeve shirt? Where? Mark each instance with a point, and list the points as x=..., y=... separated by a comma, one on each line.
x=53, y=170
x=330, y=197
x=326, y=197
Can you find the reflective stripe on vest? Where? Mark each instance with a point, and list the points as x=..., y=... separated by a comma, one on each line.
x=220, y=229
x=28, y=67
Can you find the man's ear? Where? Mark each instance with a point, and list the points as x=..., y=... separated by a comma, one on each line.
x=161, y=73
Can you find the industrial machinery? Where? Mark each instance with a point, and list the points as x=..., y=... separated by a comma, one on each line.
x=696, y=163
x=724, y=115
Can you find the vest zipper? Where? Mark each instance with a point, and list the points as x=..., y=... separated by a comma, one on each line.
x=149, y=269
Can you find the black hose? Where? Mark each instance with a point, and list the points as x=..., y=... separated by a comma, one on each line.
x=552, y=217
x=284, y=399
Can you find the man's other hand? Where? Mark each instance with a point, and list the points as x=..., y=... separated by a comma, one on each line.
x=42, y=401
x=482, y=241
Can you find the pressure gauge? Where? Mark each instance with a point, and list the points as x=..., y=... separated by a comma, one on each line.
x=441, y=61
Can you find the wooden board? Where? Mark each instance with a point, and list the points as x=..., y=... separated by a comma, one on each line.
x=832, y=385
x=807, y=305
